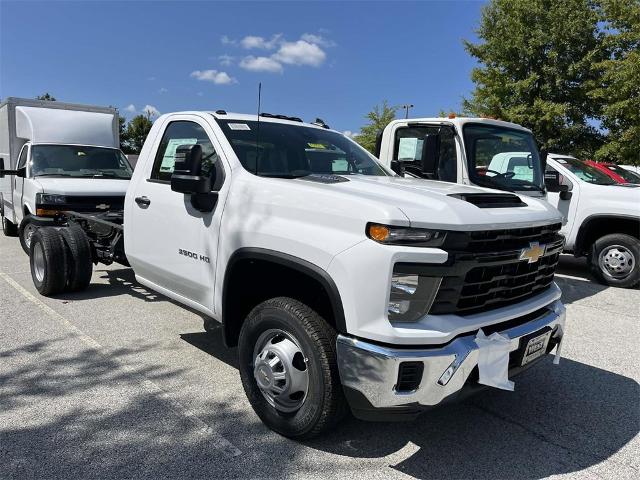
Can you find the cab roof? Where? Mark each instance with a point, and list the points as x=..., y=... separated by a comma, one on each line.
x=460, y=121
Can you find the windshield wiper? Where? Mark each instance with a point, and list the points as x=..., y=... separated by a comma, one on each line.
x=53, y=175
x=285, y=175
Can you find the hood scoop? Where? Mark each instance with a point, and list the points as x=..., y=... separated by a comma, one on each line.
x=490, y=200
x=324, y=178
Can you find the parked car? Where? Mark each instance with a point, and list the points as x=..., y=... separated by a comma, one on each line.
x=602, y=218
x=341, y=283
x=64, y=156
x=619, y=174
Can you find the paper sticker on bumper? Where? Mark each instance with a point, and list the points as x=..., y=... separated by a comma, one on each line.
x=493, y=360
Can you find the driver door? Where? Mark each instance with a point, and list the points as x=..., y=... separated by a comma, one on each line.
x=18, y=184
x=174, y=246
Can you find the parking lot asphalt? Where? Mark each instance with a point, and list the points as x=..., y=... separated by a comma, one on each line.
x=118, y=381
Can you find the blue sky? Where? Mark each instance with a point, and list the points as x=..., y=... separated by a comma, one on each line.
x=333, y=60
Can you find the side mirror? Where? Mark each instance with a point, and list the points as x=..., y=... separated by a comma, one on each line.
x=552, y=181
x=398, y=167
x=565, y=192
x=21, y=172
x=430, y=150
x=379, y=144
x=186, y=176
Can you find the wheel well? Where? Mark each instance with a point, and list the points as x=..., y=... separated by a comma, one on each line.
x=252, y=278
x=25, y=210
x=597, y=227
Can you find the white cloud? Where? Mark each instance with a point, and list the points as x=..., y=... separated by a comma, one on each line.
x=251, y=41
x=213, y=76
x=226, y=60
x=317, y=39
x=300, y=53
x=200, y=94
x=261, y=64
x=131, y=108
x=349, y=133
x=152, y=79
x=162, y=90
x=227, y=41
x=151, y=111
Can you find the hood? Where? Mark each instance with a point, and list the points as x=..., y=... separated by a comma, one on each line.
x=82, y=186
x=430, y=204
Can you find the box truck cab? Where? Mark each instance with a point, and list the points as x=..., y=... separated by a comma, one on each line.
x=60, y=157
x=471, y=151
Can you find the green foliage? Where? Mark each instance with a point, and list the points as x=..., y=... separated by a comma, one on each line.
x=618, y=90
x=46, y=96
x=378, y=118
x=136, y=132
x=568, y=70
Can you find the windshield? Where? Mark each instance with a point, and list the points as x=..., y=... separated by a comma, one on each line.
x=585, y=172
x=291, y=151
x=628, y=175
x=502, y=158
x=78, y=161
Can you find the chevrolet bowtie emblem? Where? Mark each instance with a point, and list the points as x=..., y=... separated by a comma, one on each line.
x=533, y=253
x=103, y=206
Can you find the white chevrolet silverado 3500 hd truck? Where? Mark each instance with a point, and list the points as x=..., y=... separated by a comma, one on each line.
x=341, y=283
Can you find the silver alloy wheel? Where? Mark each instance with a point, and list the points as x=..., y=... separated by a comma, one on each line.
x=27, y=233
x=38, y=262
x=280, y=370
x=616, y=261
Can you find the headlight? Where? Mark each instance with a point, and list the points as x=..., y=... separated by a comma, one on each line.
x=415, y=237
x=411, y=295
x=49, y=198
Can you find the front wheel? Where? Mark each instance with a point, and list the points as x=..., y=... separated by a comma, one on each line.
x=614, y=260
x=288, y=368
x=25, y=232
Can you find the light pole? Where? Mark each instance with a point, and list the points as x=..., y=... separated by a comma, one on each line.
x=406, y=107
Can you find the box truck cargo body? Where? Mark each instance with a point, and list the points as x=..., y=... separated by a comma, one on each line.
x=57, y=156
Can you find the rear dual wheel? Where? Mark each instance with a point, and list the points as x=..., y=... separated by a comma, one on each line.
x=60, y=260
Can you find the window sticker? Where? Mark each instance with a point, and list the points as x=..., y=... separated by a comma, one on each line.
x=238, y=126
x=168, y=159
x=410, y=148
x=316, y=145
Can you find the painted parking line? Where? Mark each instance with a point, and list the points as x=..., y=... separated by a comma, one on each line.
x=218, y=442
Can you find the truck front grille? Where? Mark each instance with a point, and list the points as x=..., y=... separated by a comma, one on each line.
x=103, y=203
x=485, y=270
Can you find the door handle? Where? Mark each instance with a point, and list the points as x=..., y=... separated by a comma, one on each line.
x=143, y=201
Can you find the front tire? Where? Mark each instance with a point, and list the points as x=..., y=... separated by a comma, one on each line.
x=25, y=231
x=289, y=370
x=48, y=261
x=615, y=260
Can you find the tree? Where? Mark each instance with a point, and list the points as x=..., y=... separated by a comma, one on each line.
x=378, y=118
x=124, y=134
x=46, y=96
x=137, y=132
x=618, y=89
x=536, y=69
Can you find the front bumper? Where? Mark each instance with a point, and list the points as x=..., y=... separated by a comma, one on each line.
x=369, y=372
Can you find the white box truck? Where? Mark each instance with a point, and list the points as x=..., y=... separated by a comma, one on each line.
x=57, y=156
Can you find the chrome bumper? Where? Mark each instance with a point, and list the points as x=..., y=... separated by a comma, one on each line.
x=372, y=370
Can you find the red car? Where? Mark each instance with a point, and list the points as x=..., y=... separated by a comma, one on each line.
x=617, y=173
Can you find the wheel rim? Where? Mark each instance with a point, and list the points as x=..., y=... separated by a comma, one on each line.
x=38, y=262
x=280, y=370
x=616, y=261
x=29, y=230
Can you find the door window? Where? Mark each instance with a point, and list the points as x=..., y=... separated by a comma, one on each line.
x=410, y=143
x=22, y=161
x=182, y=133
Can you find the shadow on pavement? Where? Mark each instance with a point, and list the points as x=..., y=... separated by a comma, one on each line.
x=560, y=419
x=575, y=280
